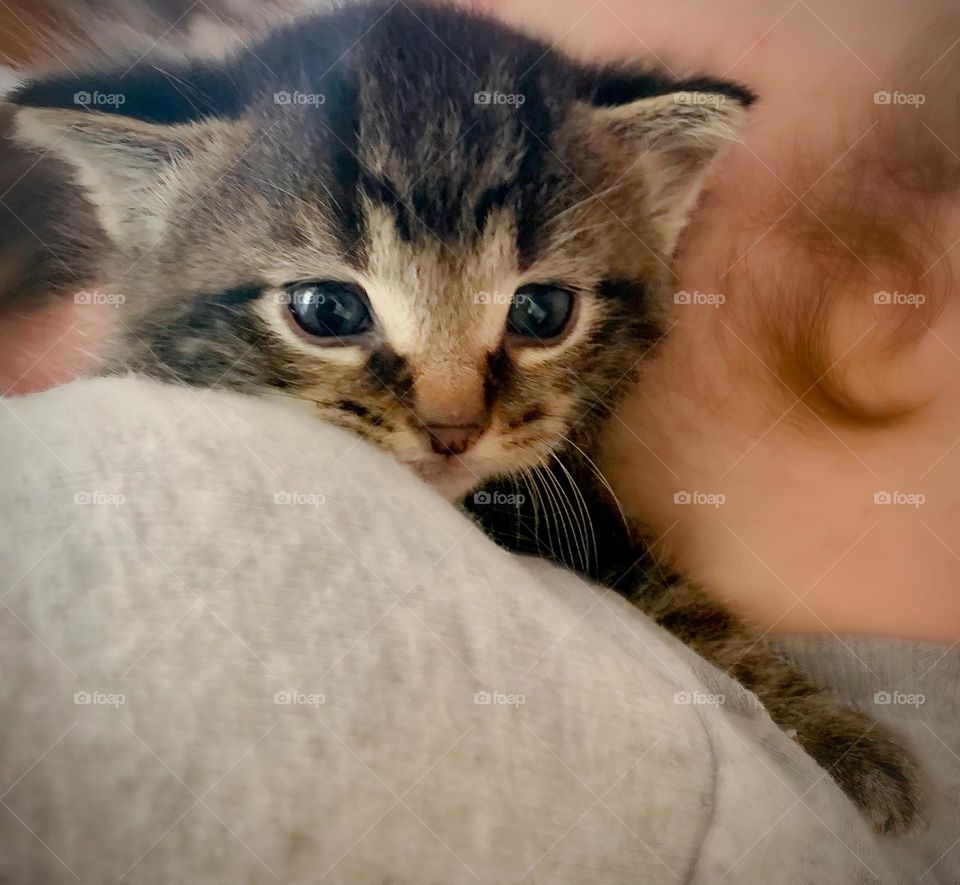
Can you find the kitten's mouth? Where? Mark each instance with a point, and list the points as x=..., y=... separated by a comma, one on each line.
x=448, y=475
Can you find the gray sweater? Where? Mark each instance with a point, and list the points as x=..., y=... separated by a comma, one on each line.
x=239, y=646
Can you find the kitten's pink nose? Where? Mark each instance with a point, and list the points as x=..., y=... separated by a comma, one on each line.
x=453, y=439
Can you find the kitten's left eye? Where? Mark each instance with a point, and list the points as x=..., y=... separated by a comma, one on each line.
x=329, y=309
x=540, y=312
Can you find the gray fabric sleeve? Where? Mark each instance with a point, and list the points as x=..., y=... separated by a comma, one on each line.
x=237, y=645
x=914, y=688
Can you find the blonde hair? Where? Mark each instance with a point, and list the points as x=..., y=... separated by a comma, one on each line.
x=863, y=239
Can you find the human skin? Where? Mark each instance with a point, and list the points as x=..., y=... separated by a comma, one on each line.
x=798, y=543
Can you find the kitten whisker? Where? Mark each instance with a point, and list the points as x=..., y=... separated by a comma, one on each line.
x=544, y=499
x=576, y=528
x=535, y=502
x=564, y=515
x=584, y=510
x=599, y=474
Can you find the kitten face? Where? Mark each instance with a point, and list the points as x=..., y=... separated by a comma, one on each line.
x=439, y=353
x=415, y=223
x=440, y=380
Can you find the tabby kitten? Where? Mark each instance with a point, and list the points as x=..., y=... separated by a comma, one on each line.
x=449, y=238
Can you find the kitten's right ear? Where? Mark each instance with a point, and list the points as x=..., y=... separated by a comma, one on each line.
x=119, y=163
x=121, y=138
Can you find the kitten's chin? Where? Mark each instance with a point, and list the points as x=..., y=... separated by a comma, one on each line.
x=449, y=479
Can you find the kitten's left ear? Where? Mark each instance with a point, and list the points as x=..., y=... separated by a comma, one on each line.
x=671, y=140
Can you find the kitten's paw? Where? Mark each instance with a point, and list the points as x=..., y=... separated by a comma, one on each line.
x=879, y=775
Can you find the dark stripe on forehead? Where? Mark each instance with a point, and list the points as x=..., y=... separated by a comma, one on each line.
x=535, y=130
x=385, y=194
x=491, y=199
x=341, y=131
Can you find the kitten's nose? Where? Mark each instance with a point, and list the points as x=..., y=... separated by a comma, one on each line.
x=453, y=439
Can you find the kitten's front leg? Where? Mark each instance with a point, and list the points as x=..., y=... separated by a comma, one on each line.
x=879, y=775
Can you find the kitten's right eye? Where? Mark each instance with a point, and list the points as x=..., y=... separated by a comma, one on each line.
x=329, y=309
